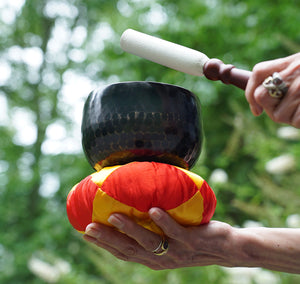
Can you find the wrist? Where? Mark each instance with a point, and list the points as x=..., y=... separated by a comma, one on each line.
x=244, y=248
x=229, y=245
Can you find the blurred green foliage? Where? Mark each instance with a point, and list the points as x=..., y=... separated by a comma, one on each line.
x=45, y=43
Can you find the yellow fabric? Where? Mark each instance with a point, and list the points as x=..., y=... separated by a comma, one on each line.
x=196, y=179
x=104, y=206
x=188, y=213
x=99, y=177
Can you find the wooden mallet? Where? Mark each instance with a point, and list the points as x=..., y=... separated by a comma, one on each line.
x=182, y=58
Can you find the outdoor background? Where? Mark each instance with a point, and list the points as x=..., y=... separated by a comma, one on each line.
x=54, y=52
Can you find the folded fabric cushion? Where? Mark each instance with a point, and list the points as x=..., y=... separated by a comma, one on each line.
x=134, y=188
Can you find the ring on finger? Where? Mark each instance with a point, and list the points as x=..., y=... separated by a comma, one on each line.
x=162, y=247
x=275, y=85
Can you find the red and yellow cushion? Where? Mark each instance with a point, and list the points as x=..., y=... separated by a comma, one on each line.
x=134, y=188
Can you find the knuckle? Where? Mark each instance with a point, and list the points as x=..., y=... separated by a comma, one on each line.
x=259, y=95
x=128, y=225
x=130, y=251
x=260, y=69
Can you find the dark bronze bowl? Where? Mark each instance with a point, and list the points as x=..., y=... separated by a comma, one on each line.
x=141, y=121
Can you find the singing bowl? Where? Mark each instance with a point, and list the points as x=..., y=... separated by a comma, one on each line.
x=141, y=121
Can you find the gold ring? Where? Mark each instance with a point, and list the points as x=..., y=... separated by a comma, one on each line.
x=162, y=247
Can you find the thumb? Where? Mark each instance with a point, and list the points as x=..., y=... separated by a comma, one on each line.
x=169, y=226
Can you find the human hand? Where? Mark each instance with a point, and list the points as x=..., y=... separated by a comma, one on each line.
x=286, y=109
x=188, y=246
x=214, y=243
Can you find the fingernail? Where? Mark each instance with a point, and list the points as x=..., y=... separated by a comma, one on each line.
x=155, y=214
x=115, y=221
x=92, y=231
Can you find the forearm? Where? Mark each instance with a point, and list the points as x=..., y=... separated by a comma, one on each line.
x=215, y=243
x=275, y=249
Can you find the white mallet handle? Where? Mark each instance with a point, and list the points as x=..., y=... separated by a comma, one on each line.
x=163, y=52
x=182, y=58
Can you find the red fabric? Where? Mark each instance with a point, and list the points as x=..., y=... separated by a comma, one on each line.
x=171, y=186
x=80, y=203
x=209, y=202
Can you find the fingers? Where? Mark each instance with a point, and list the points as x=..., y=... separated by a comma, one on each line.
x=169, y=226
x=120, y=245
x=260, y=72
x=265, y=101
x=285, y=66
x=135, y=243
x=145, y=238
x=285, y=110
x=105, y=246
x=127, y=244
x=288, y=110
x=292, y=71
x=110, y=239
x=188, y=246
